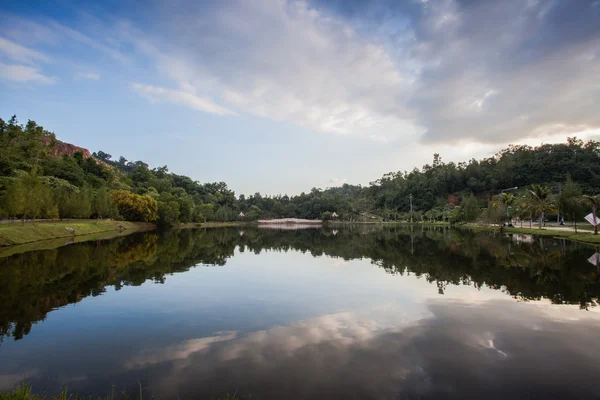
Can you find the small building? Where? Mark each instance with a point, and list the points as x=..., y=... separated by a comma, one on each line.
x=242, y=214
x=334, y=215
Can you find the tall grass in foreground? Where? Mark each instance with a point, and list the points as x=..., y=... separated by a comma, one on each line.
x=23, y=392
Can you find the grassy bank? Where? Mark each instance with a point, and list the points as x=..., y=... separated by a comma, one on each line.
x=15, y=233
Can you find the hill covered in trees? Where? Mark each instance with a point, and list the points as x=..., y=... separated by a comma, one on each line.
x=38, y=180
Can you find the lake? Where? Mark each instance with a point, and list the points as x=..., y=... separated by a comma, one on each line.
x=359, y=312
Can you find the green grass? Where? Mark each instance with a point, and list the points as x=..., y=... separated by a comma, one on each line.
x=15, y=233
x=23, y=392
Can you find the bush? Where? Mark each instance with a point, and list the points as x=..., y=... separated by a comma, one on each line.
x=134, y=207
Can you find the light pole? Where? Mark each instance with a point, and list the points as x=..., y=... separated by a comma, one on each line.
x=411, y=209
x=558, y=208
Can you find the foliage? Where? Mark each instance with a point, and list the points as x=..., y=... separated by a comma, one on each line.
x=134, y=207
x=470, y=208
x=79, y=186
x=539, y=202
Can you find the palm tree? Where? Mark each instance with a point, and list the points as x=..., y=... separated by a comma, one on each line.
x=539, y=201
x=506, y=199
x=592, y=201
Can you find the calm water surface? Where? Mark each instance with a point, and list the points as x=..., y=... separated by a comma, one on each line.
x=355, y=313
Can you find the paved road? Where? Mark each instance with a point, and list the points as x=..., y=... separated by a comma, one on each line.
x=582, y=228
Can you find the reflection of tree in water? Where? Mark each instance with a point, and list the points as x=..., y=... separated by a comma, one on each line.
x=34, y=283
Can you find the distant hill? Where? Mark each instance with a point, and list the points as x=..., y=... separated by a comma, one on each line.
x=41, y=176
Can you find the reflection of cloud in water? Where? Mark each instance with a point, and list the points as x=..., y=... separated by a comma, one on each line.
x=179, y=351
x=342, y=328
x=482, y=349
x=8, y=381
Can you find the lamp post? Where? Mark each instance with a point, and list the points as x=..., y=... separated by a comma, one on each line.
x=411, y=209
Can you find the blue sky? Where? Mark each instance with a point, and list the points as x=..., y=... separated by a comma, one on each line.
x=280, y=96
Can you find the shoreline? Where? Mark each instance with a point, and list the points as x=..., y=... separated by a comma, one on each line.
x=16, y=234
x=42, y=235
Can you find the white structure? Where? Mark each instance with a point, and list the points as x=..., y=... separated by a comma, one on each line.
x=334, y=215
x=290, y=221
x=592, y=219
x=242, y=214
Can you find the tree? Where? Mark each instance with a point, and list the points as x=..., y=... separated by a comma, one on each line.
x=47, y=204
x=14, y=199
x=101, y=205
x=569, y=200
x=224, y=213
x=507, y=200
x=102, y=156
x=186, y=208
x=593, y=201
x=134, y=207
x=471, y=209
x=32, y=188
x=83, y=208
x=539, y=201
x=168, y=212
x=493, y=215
x=204, y=211
x=253, y=213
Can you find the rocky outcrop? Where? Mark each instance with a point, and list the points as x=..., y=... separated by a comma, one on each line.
x=59, y=149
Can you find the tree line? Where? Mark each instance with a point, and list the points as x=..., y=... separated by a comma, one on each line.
x=35, y=184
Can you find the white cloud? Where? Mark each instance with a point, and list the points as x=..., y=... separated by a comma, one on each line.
x=75, y=35
x=158, y=94
x=19, y=53
x=337, y=181
x=284, y=61
x=88, y=75
x=439, y=79
x=23, y=73
x=445, y=72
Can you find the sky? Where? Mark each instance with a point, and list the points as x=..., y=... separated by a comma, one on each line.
x=279, y=96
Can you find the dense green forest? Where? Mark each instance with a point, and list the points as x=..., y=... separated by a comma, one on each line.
x=529, y=182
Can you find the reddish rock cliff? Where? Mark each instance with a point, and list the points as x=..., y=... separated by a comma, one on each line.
x=59, y=149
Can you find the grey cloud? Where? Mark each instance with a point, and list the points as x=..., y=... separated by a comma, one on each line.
x=484, y=71
x=504, y=70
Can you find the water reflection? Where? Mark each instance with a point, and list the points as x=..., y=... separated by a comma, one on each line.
x=306, y=314
x=365, y=355
x=34, y=283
